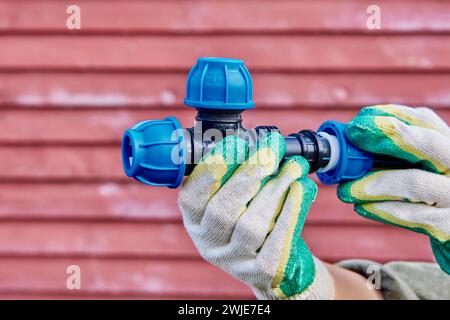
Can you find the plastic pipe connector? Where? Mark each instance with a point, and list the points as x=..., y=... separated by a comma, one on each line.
x=161, y=152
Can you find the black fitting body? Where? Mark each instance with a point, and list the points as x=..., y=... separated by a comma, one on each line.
x=306, y=143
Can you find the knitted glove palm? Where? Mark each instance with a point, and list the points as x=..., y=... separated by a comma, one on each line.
x=414, y=199
x=247, y=218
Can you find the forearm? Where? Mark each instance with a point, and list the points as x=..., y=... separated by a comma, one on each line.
x=350, y=285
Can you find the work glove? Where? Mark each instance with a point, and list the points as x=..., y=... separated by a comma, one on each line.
x=414, y=199
x=245, y=215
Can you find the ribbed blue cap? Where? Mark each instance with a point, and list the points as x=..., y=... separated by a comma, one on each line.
x=353, y=162
x=153, y=152
x=219, y=83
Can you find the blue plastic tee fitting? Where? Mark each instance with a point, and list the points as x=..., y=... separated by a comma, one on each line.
x=161, y=152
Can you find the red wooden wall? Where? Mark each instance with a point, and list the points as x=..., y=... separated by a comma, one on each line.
x=66, y=96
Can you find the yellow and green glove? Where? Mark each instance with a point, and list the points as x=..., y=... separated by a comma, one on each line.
x=245, y=215
x=414, y=199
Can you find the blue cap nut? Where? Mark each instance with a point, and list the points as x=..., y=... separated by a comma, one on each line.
x=220, y=84
x=353, y=162
x=153, y=152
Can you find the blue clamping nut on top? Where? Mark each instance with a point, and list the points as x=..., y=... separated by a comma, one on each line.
x=353, y=162
x=219, y=84
x=153, y=152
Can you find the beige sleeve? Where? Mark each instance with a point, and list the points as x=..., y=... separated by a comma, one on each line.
x=405, y=280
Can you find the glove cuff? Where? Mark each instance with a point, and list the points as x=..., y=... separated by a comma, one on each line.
x=322, y=288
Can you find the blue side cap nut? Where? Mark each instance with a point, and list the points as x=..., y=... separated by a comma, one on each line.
x=153, y=152
x=219, y=84
x=353, y=162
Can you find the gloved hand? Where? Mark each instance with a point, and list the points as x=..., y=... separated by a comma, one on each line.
x=248, y=221
x=415, y=199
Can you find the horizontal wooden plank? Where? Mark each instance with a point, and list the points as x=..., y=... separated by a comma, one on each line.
x=107, y=126
x=261, y=52
x=94, y=127
x=120, y=240
x=61, y=163
x=104, y=201
x=150, y=241
x=271, y=90
x=153, y=278
x=221, y=16
x=129, y=202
